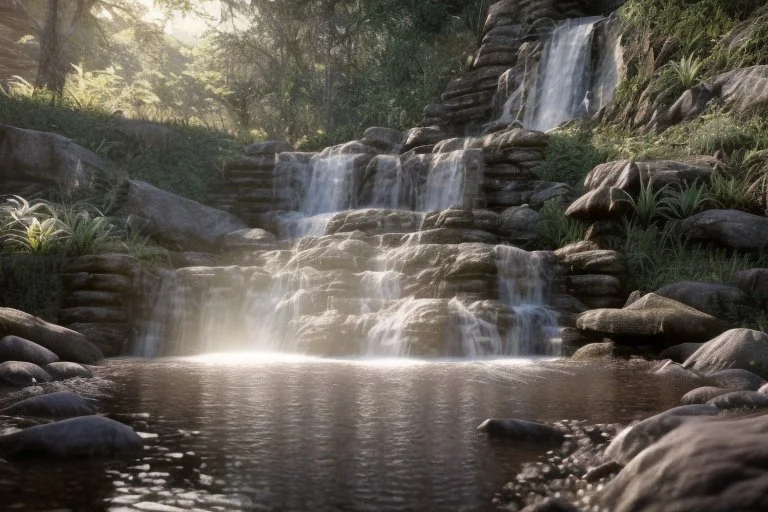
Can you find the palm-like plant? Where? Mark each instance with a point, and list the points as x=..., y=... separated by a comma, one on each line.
x=687, y=200
x=687, y=70
x=650, y=205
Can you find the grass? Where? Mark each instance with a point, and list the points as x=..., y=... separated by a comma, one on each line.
x=570, y=156
x=557, y=230
x=29, y=282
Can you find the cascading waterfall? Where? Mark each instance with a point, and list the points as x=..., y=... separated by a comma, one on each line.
x=563, y=89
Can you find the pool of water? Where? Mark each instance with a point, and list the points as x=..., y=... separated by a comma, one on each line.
x=254, y=433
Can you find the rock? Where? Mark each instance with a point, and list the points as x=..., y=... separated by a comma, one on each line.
x=65, y=370
x=551, y=505
x=20, y=374
x=718, y=300
x=633, y=440
x=594, y=285
x=89, y=315
x=673, y=370
x=481, y=220
x=699, y=466
x=120, y=267
x=680, y=352
x=65, y=343
x=59, y=405
x=99, y=282
x=736, y=379
x=520, y=223
x=178, y=222
x=753, y=282
x=702, y=395
x=423, y=136
x=374, y=221
x=732, y=228
x=520, y=430
x=595, y=351
x=252, y=239
x=192, y=259
x=743, y=90
x=736, y=348
x=740, y=400
x=596, y=262
x=631, y=176
x=602, y=471
x=575, y=248
x=49, y=161
x=602, y=203
x=13, y=348
x=269, y=147
x=650, y=319
x=383, y=139
x=109, y=337
x=85, y=436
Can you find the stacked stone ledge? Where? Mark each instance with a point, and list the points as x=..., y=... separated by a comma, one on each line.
x=99, y=299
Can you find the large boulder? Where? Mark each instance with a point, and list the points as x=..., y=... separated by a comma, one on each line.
x=65, y=370
x=21, y=374
x=754, y=282
x=602, y=203
x=731, y=228
x=85, y=436
x=45, y=160
x=13, y=348
x=65, y=343
x=520, y=430
x=178, y=222
x=717, y=466
x=651, y=319
x=633, y=440
x=718, y=300
x=737, y=348
x=58, y=405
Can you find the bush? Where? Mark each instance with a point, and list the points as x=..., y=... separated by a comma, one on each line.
x=29, y=282
x=557, y=230
x=570, y=156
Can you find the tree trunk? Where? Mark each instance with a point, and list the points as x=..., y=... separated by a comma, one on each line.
x=51, y=71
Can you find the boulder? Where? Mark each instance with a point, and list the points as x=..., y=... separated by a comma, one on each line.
x=268, y=147
x=754, y=282
x=702, y=395
x=596, y=351
x=49, y=161
x=119, y=267
x=423, y=136
x=13, y=348
x=596, y=262
x=481, y=220
x=736, y=379
x=736, y=348
x=179, y=222
x=633, y=440
x=631, y=176
x=109, y=337
x=520, y=224
x=717, y=466
x=58, y=405
x=85, y=436
x=99, y=282
x=718, y=300
x=20, y=374
x=594, y=285
x=673, y=370
x=65, y=343
x=602, y=203
x=65, y=370
x=383, y=139
x=651, y=319
x=251, y=239
x=739, y=400
x=680, y=352
x=731, y=228
x=520, y=430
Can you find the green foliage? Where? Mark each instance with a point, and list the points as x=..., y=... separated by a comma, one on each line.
x=651, y=205
x=29, y=282
x=557, y=230
x=732, y=192
x=570, y=156
x=687, y=200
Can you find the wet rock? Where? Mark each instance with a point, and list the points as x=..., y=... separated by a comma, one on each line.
x=650, y=319
x=20, y=374
x=423, y=136
x=86, y=436
x=736, y=348
x=551, y=505
x=575, y=248
x=673, y=370
x=699, y=466
x=736, y=379
x=179, y=222
x=252, y=239
x=383, y=139
x=740, y=400
x=65, y=343
x=14, y=348
x=374, y=221
x=631, y=176
x=702, y=395
x=680, y=352
x=65, y=370
x=731, y=228
x=87, y=315
x=58, y=405
x=520, y=430
x=596, y=351
x=520, y=223
x=113, y=264
x=718, y=300
x=594, y=285
x=481, y=220
x=110, y=338
x=192, y=259
x=633, y=440
x=116, y=283
x=602, y=471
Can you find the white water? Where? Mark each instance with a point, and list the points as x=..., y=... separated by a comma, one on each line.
x=564, y=76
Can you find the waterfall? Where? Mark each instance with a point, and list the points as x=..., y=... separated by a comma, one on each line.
x=562, y=91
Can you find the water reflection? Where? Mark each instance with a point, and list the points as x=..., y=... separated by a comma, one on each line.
x=330, y=435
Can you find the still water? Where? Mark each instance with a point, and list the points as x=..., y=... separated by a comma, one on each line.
x=248, y=433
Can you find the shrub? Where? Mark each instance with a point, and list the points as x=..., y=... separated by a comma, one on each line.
x=557, y=230
x=570, y=156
